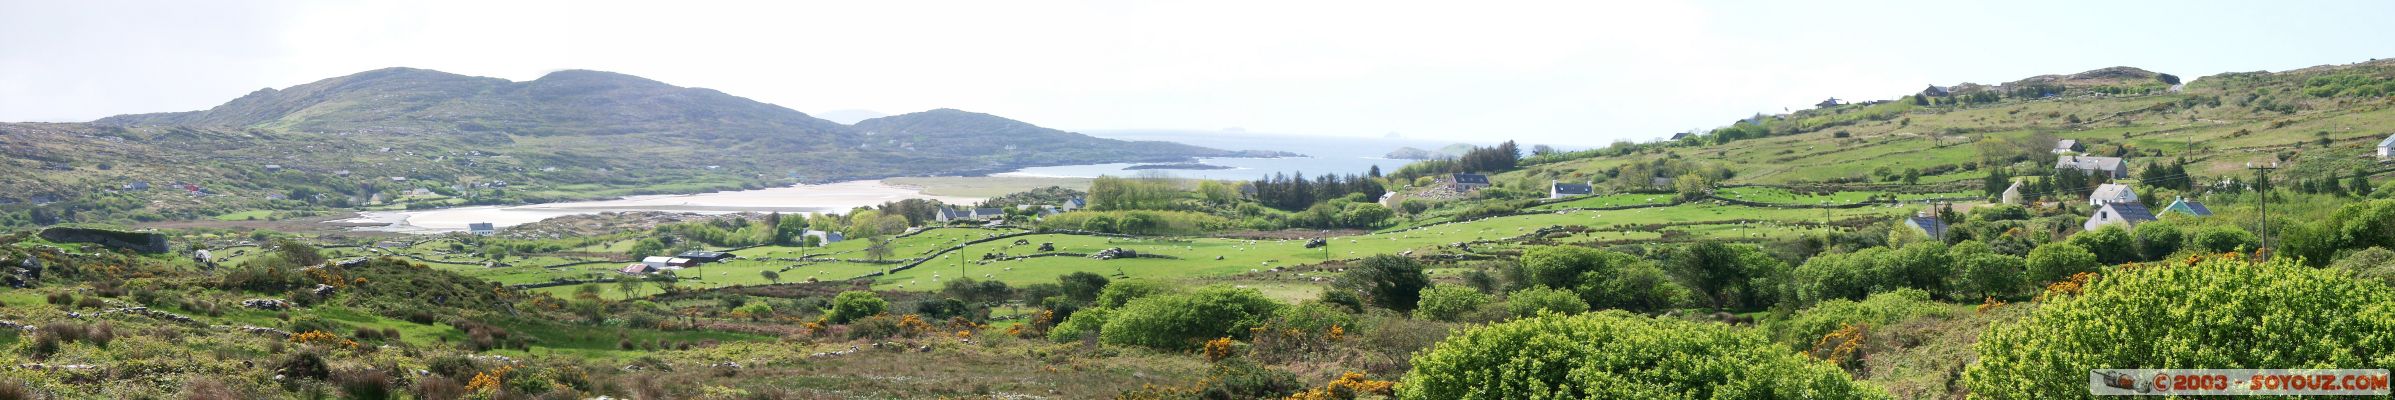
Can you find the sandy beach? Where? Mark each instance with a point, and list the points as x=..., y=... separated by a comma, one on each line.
x=832, y=197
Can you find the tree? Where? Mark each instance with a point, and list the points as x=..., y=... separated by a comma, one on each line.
x=1387, y=281
x=879, y=248
x=2157, y=240
x=1081, y=286
x=1615, y=354
x=1448, y=302
x=852, y=305
x=1182, y=321
x=2110, y=244
x=2057, y=261
x=1982, y=272
x=297, y=253
x=629, y=285
x=1723, y=273
x=771, y=276
x=1530, y=302
x=2222, y=312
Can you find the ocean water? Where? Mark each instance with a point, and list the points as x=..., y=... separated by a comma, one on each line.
x=1324, y=155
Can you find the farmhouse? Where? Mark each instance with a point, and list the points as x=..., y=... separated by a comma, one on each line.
x=2127, y=214
x=2108, y=166
x=657, y=262
x=2386, y=148
x=1073, y=204
x=1470, y=182
x=825, y=237
x=1557, y=190
x=697, y=256
x=2188, y=206
x=1832, y=102
x=968, y=214
x=481, y=228
x=2068, y=146
x=2012, y=194
x=637, y=269
x=2112, y=193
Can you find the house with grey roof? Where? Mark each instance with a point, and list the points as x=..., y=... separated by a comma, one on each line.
x=1557, y=190
x=2112, y=193
x=2188, y=206
x=2128, y=215
x=2068, y=146
x=2386, y=148
x=2113, y=167
x=1470, y=182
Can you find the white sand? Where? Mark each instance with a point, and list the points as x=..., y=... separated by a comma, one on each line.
x=801, y=199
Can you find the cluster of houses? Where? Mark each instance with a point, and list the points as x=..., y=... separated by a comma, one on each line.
x=951, y=214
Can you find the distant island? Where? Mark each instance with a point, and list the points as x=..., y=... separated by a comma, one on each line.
x=1193, y=166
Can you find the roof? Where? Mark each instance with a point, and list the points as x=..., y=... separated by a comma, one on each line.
x=2090, y=163
x=709, y=255
x=656, y=259
x=2189, y=206
x=2014, y=189
x=989, y=211
x=2113, y=191
x=636, y=268
x=1929, y=225
x=1476, y=179
x=2390, y=142
x=2066, y=144
x=480, y=226
x=2131, y=212
x=1573, y=188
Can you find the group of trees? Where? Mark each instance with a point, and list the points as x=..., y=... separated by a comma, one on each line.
x=1297, y=193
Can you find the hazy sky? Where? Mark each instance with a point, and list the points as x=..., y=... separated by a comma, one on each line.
x=1575, y=72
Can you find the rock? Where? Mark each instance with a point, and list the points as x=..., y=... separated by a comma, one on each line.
x=1114, y=253
x=322, y=290
x=144, y=242
x=267, y=304
x=1047, y=247
x=1317, y=242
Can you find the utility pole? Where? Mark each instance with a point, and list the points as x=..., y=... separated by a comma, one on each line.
x=2262, y=202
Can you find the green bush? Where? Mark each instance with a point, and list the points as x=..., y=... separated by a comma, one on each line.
x=2218, y=313
x=1615, y=354
x=2376, y=263
x=1183, y=321
x=2221, y=239
x=1082, y=324
x=1119, y=293
x=1530, y=302
x=1837, y=276
x=1602, y=279
x=1802, y=329
x=2157, y=240
x=1449, y=302
x=2110, y=244
x=854, y=304
x=1386, y=280
x=1982, y=272
x=2057, y=261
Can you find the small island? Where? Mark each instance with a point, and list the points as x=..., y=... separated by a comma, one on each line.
x=1189, y=166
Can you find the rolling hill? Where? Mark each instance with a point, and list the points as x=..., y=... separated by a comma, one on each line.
x=347, y=141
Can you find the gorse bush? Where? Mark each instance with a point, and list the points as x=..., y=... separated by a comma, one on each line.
x=1618, y=355
x=1530, y=302
x=853, y=305
x=2221, y=312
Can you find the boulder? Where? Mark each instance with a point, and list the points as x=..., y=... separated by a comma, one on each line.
x=143, y=242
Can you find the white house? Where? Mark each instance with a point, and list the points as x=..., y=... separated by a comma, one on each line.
x=480, y=228
x=2114, y=167
x=656, y=262
x=825, y=237
x=2112, y=193
x=1557, y=190
x=2386, y=148
x=2012, y=194
x=2128, y=214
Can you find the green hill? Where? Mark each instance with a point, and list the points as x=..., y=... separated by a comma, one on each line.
x=347, y=141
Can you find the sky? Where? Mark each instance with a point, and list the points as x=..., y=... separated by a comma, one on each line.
x=1567, y=73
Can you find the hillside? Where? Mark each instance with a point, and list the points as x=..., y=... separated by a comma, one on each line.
x=959, y=133
x=364, y=139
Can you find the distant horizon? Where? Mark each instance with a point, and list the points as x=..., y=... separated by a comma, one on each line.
x=1571, y=73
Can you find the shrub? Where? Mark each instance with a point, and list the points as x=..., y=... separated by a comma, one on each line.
x=1530, y=302
x=1602, y=279
x=2221, y=239
x=2056, y=261
x=2110, y=244
x=1386, y=280
x=364, y=384
x=1119, y=293
x=1615, y=354
x=1800, y=331
x=854, y=304
x=1080, y=325
x=2157, y=240
x=1448, y=302
x=1181, y=321
x=2215, y=313
x=2375, y=263
x=1982, y=272
x=1837, y=276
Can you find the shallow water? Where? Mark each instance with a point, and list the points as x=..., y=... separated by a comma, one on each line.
x=800, y=199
